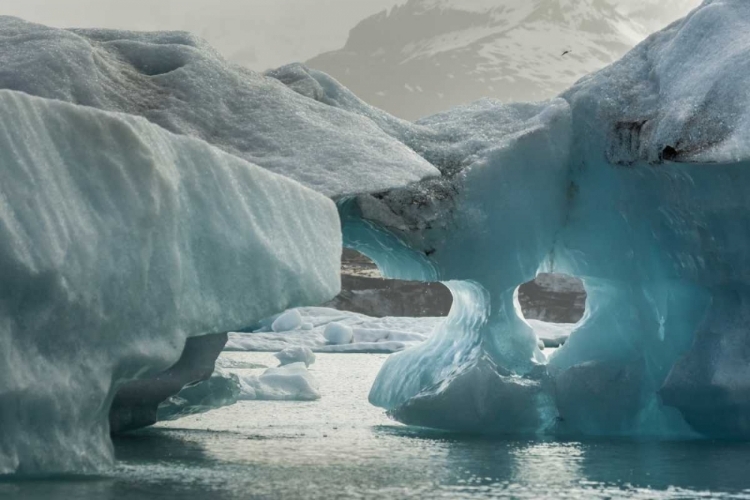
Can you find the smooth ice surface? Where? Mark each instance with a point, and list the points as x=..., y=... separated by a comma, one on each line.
x=118, y=240
x=290, y=320
x=635, y=180
x=369, y=334
x=177, y=81
x=295, y=355
x=338, y=334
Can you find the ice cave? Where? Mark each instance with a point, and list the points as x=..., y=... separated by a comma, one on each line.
x=155, y=198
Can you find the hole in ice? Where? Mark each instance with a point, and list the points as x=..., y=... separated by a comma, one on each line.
x=366, y=291
x=552, y=304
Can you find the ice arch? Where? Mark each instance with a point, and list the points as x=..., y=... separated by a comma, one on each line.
x=634, y=180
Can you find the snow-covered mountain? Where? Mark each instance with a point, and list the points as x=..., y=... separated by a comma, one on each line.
x=428, y=55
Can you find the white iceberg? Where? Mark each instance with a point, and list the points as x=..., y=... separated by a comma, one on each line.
x=369, y=335
x=118, y=241
x=296, y=355
x=180, y=83
x=292, y=382
x=338, y=334
x=290, y=320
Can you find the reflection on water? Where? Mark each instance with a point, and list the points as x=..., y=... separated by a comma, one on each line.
x=340, y=447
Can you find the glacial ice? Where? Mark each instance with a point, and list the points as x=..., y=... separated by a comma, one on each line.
x=551, y=334
x=370, y=335
x=338, y=334
x=296, y=355
x=137, y=403
x=221, y=389
x=633, y=180
x=178, y=82
x=292, y=382
x=228, y=385
x=118, y=241
x=290, y=320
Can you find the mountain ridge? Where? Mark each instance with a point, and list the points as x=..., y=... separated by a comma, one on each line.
x=429, y=55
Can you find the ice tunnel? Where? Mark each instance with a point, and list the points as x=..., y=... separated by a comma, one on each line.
x=635, y=181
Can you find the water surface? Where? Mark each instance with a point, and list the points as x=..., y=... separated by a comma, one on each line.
x=341, y=447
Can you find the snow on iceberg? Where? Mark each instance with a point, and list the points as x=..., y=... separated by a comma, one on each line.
x=233, y=381
x=634, y=180
x=178, y=82
x=118, y=241
x=292, y=382
x=370, y=335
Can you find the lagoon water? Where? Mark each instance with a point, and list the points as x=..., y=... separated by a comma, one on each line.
x=341, y=447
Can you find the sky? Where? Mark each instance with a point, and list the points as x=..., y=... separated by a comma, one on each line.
x=261, y=34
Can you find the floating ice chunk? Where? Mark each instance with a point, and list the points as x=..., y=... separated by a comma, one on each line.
x=483, y=398
x=287, y=322
x=338, y=334
x=221, y=389
x=119, y=241
x=178, y=82
x=376, y=335
x=551, y=334
x=292, y=382
x=296, y=355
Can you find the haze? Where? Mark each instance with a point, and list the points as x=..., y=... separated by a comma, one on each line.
x=257, y=33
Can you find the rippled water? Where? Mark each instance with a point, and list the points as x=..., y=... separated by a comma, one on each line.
x=341, y=447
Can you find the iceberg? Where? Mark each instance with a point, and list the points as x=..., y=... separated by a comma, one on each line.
x=119, y=241
x=292, y=382
x=338, y=334
x=221, y=388
x=296, y=355
x=180, y=83
x=369, y=335
x=231, y=383
x=634, y=180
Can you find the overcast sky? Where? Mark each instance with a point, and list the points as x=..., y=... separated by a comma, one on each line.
x=259, y=33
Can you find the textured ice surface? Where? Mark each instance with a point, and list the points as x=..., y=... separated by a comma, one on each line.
x=118, y=240
x=636, y=181
x=231, y=382
x=369, y=334
x=292, y=382
x=180, y=83
x=295, y=355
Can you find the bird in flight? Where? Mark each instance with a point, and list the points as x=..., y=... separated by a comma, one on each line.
x=566, y=53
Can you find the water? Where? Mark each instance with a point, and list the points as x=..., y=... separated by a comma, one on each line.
x=341, y=447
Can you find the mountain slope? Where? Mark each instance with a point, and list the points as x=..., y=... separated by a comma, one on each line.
x=429, y=55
